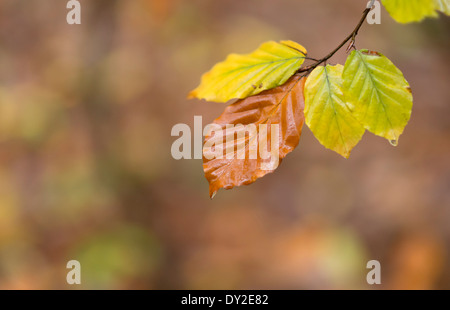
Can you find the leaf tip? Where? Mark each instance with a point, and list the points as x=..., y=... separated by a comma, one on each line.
x=212, y=194
x=393, y=142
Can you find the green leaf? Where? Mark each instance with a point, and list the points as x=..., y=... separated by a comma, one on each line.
x=408, y=11
x=327, y=114
x=241, y=76
x=377, y=93
x=443, y=6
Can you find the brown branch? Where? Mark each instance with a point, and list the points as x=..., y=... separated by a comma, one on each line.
x=352, y=37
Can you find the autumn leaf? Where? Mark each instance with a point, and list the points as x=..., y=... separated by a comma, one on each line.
x=326, y=112
x=241, y=76
x=407, y=11
x=277, y=112
x=377, y=93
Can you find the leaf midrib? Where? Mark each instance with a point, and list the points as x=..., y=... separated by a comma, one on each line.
x=255, y=65
x=330, y=98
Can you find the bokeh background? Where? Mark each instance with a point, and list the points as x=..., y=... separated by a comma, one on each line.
x=86, y=172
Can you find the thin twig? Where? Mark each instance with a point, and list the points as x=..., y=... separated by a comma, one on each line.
x=370, y=5
x=352, y=37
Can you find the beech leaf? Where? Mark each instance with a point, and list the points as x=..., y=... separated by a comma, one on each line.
x=279, y=111
x=407, y=11
x=241, y=76
x=377, y=93
x=326, y=112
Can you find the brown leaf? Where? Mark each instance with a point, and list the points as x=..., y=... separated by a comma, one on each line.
x=241, y=165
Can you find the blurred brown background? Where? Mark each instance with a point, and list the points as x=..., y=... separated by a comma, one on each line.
x=86, y=171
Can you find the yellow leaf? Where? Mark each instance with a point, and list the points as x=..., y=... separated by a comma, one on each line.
x=327, y=113
x=378, y=94
x=408, y=11
x=241, y=76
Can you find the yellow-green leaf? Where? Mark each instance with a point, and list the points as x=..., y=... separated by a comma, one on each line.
x=377, y=93
x=241, y=76
x=326, y=112
x=408, y=11
x=443, y=6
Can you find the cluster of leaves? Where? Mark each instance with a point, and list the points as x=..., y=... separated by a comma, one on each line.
x=338, y=103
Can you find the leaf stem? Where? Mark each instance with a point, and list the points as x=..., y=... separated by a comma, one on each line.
x=352, y=37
